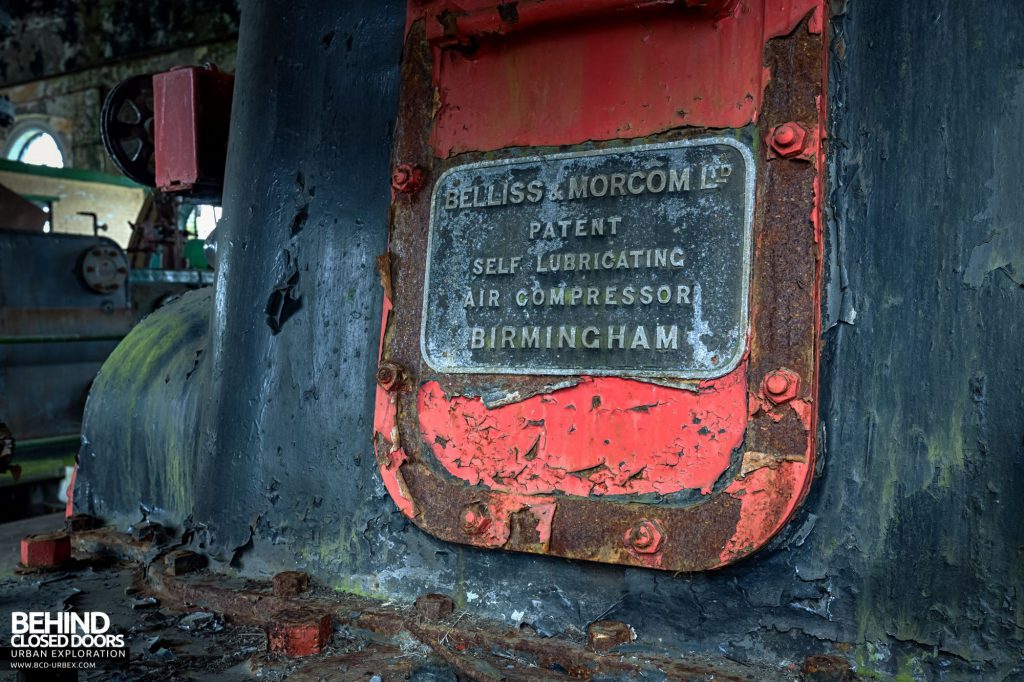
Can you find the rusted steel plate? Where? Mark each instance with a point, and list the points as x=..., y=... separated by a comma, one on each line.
x=661, y=471
x=627, y=261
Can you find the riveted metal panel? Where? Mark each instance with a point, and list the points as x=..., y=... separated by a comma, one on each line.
x=485, y=435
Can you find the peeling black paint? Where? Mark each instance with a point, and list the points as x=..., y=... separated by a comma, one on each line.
x=907, y=557
x=285, y=300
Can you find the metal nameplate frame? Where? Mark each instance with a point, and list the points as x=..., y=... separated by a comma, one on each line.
x=630, y=261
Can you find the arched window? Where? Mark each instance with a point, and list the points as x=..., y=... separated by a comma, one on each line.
x=35, y=145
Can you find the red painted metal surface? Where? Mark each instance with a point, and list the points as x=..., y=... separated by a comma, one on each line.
x=69, y=508
x=616, y=76
x=45, y=551
x=176, y=128
x=299, y=632
x=556, y=469
x=191, y=110
x=606, y=436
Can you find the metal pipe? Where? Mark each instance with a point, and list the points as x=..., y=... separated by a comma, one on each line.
x=66, y=338
x=47, y=442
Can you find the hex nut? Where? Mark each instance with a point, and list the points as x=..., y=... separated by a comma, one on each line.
x=183, y=561
x=390, y=376
x=788, y=139
x=780, y=386
x=434, y=607
x=290, y=583
x=148, y=531
x=645, y=537
x=604, y=635
x=47, y=550
x=407, y=178
x=77, y=523
x=299, y=632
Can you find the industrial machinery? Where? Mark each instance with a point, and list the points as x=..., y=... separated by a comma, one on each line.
x=696, y=315
x=64, y=305
x=66, y=300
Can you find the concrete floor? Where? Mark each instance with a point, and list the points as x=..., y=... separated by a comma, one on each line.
x=172, y=639
x=12, y=533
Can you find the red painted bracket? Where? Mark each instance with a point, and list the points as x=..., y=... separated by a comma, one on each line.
x=192, y=110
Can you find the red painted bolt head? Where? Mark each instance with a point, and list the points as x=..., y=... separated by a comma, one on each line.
x=299, y=632
x=390, y=376
x=42, y=551
x=785, y=136
x=407, y=178
x=776, y=384
x=476, y=518
x=788, y=139
x=781, y=385
x=645, y=537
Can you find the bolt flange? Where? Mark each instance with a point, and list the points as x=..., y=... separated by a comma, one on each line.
x=645, y=537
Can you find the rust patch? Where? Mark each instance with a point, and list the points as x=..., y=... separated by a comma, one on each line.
x=467, y=643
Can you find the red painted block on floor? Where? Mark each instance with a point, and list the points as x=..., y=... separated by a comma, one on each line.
x=299, y=633
x=50, y=549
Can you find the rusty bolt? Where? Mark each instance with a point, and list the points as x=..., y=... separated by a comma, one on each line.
x=788, y=139
x=434, y=607
x=604, y=635
x=182, y=561
x=780, y=386
x=407, y=178
x=77, y=523
x=826, y=669
x=290, y=583
x=299, y=632
x=47, y=550
x=645, y=537
x=390, y=376
x=148, y=531
x=475, y=518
